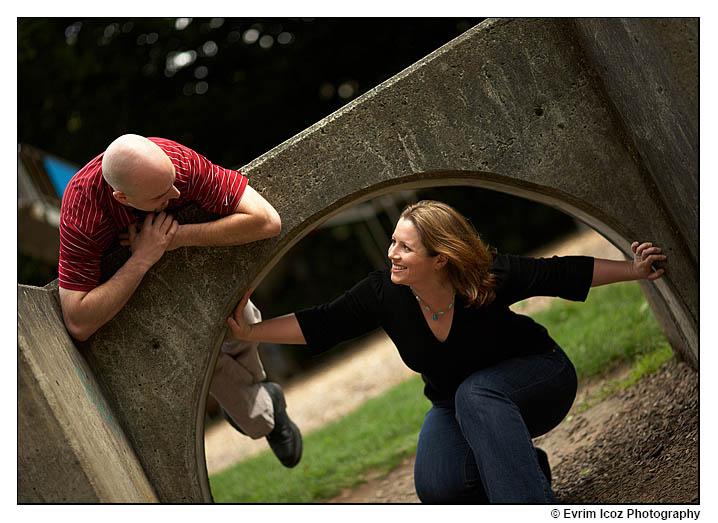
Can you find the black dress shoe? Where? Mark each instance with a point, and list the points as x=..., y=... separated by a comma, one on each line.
x=285, y=439
x=543, y=463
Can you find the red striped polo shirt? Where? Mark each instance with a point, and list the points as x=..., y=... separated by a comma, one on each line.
x=91, y=219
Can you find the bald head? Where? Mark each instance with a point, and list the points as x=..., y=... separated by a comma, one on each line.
x=130, y=160
x=137, y=170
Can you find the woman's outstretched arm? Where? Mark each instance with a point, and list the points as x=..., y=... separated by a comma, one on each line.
x=640, y=268
x=283, y=329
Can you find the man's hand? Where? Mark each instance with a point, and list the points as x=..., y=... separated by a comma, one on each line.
x=177, y=240
x=86, y=311
x=645, y=254
x=175, y=243
x=150, y=241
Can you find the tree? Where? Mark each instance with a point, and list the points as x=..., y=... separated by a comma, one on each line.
x=230, y=88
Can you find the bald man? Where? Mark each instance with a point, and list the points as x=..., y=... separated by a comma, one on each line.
x=128, y=193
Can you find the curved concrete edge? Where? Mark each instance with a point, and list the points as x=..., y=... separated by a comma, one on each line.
x=205, y=490
x=665, y=304
x=668, y=308
x=71, y=448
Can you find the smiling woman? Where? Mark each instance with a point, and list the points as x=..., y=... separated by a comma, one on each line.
x=430, y=237
x=408, y=256
x=449, y=240
x=487, y=404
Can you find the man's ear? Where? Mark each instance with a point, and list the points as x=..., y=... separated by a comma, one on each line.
x=120, y=197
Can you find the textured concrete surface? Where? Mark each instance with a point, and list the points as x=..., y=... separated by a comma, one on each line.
x=511, y=105
x=649, y=70
x=70, y=446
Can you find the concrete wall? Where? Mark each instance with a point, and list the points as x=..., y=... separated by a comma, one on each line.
x=70, y=447
x=649, y=71
x=511, y=105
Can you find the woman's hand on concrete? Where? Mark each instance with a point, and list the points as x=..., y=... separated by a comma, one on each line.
x=240, y=328
x=644, y=256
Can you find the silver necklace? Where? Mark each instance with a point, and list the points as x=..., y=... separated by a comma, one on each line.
x=434, y=315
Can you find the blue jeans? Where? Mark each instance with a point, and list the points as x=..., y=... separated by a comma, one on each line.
x=477, y=447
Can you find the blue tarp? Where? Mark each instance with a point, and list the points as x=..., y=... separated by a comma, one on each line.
x=59, y=172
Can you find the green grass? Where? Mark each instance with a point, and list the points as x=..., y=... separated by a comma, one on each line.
x=614, y=325
x=376, y=436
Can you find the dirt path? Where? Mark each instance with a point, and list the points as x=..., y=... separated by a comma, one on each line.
x=591, y=452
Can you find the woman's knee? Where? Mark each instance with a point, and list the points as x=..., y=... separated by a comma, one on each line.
x=424, y=485
x=435, y=486
x=440, y=457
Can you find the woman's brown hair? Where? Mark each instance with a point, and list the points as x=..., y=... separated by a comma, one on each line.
x=445, y=231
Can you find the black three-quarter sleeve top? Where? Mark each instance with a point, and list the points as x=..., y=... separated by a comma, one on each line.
x=479, y=337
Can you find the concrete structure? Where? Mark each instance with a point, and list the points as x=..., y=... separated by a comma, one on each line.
x=70, y=446
x=595, y=117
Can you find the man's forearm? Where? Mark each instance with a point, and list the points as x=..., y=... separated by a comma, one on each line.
x=235, y=229
x=85, y=316
x=84, y=312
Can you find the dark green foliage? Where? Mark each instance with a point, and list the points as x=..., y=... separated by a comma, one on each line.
x=83, y=82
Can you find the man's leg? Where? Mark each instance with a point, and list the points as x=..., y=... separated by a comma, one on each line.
x=254, y=407
x=245, y=401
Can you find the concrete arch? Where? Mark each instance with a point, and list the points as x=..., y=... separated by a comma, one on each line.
x=588, y=214
x=530, y=107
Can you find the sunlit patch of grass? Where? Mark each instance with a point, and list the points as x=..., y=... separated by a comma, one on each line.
x=375, y=437
x=614, y=324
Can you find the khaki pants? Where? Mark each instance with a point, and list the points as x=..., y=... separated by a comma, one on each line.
x=236, y=382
